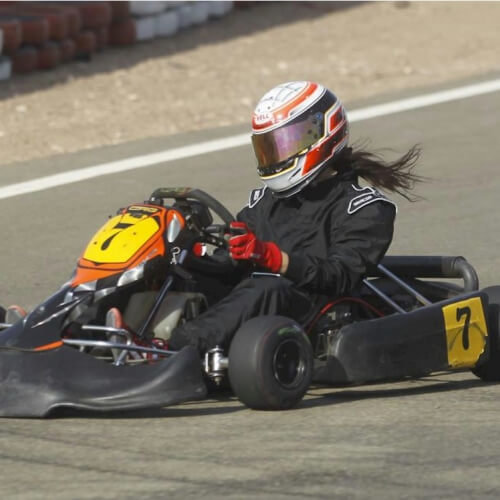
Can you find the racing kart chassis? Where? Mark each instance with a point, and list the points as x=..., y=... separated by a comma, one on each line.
x=404, y=344
x=420, y=327
x=417, y=342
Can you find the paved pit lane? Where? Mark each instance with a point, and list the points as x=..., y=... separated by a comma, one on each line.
x=431, y=438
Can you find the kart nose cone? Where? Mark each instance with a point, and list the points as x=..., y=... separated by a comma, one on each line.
x=34, y=383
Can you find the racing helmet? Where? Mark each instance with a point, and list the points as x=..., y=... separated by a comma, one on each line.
x=297, y=127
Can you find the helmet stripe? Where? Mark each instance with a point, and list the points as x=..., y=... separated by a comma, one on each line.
x=281, y=115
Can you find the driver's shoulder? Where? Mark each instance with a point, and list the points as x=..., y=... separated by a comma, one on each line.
x=356, y=197
x=256, y=196
x=255, y=205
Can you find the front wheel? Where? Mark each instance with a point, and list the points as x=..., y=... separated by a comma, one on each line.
x=270, y=363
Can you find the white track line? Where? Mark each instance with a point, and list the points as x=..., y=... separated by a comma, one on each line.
x=114, y=167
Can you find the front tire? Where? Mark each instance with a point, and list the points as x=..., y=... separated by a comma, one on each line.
x=270, y=363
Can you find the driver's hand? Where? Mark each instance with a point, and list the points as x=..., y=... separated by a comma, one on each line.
x=242, y=241
x=244, y=245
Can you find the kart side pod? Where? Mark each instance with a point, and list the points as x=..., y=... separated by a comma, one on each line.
x=447, y=335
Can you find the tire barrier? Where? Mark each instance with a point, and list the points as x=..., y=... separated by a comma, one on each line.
x=120, y=11
x=123, y=33
x=200, y=13
x=49, y=55
x=43, y=35
x=171, y=17
x=25, y=60
x=146, y=9
x=71, y=12
x=145, y=28
x=167, y=23
x=5, y=68
x=12, y=33
x=57, y=19
x=86, y=44
x=102, y=37
x=185, y=12
x=58, y=23
x=94, y=14
x=34, y=29
x=68, y=50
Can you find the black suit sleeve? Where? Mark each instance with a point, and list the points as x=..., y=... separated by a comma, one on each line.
x=356, y=244
x=247, y=215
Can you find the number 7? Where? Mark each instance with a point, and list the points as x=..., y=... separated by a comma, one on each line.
x=461, y=311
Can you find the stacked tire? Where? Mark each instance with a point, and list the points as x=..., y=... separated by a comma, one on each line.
x=11, y=38
x=165, y=19
x=43, y=35
x=150, y=20
x=33, y=47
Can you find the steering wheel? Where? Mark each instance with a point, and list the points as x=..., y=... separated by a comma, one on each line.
x=212, y=233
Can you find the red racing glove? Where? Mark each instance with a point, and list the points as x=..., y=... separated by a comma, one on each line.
x=244, y=245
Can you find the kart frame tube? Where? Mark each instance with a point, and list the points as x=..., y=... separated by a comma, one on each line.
x=430, y=267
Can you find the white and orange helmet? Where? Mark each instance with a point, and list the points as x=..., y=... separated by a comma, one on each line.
x=297, y=127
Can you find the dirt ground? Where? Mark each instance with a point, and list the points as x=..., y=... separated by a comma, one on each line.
x=213, y=75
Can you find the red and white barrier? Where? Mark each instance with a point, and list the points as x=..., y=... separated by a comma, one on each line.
x=170, y=17
x=167, y=23
x=42, y=35
x=5, y=68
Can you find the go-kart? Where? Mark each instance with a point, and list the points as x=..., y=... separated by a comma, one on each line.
x=410, y=317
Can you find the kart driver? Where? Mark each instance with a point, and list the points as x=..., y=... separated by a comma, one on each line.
x=311, y=226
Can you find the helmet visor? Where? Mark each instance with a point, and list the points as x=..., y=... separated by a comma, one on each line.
x=274, y=148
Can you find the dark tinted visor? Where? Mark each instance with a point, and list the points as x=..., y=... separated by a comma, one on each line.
x=274, y=148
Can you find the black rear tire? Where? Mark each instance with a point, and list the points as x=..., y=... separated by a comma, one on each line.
x=270, y=363
x=489, y=371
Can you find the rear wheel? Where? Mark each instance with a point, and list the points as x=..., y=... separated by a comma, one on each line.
x=270, y=363
x=489, y=371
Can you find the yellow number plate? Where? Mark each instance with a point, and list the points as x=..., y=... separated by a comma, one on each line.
x=120, y=239
x=466, y=332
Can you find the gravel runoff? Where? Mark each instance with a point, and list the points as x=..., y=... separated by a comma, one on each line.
x=212, y=76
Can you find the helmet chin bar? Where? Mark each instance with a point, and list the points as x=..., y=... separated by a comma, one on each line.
x=305, y=181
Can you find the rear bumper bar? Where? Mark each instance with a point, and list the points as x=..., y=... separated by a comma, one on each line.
x=431, y=267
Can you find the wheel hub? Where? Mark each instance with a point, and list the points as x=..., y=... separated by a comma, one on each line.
x=288, y=363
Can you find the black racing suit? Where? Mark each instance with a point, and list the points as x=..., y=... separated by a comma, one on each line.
x=333, y=232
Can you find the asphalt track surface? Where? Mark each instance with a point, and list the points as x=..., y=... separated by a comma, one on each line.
x=436, y=437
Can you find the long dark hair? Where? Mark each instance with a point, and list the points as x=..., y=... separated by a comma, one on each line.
x=396, y=176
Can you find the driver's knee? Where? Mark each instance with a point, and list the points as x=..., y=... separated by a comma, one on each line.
x=268, y=294
x=267, y=285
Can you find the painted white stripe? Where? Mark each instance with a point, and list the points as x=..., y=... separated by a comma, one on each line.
x=136, y=162
x=114, y=167
x=425, y=100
